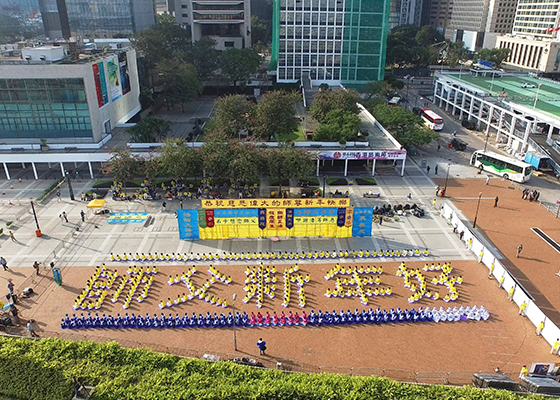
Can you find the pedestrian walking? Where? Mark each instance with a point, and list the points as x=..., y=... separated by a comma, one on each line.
x=428, y=169
x=434, y=202
x=163, y=206
x=11, y=288
x=58, y=195
x=522, y=308
x=496, y=201
x=65, y=216
x=540, y=327
x=36, y=267
x=487, y=180
x=381, y=220
x=261, y=344
x=15, y=313
x=12, y=236
x=409, y=197
x=436, y=168
x=4, y=263
x=30, y=328
x=519, y=248
x=555, y=347
x=83, y=215
x=438, y=147
x=524, y=372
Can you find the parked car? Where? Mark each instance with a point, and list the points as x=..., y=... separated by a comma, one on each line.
x=458, y=144
x=468, y=123
x=528, y=86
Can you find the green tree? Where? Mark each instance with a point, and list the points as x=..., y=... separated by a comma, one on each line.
x=248, y=164
x=261, y=31
x=427, y=36
x=340, y=126
x=151, y=168
x=180, y=82
x=289, y=162
x=217, y=154
x=233, y=113
x=123, y=165
x=275, y=115
x=406, y=126
x=456, y=52
x=149, y=130
x=496, y=56
x=180, y=160
x=323, y=102
x=204, y=57
x=238, y=65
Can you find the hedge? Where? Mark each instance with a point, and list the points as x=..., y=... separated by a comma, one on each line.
x=42, y=369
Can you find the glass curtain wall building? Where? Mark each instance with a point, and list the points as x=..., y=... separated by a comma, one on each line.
x=331, y=41
x=43, y=108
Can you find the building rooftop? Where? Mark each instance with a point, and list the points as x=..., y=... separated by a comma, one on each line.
x=509, y=88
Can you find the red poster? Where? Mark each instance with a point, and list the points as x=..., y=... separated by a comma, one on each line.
x=210, y=218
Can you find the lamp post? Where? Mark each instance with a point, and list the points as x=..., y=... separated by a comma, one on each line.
x=537, y=96
x=38, y=231
x=446, y=179
x=324, y=184
x=477, y=207
x=69, y=181
x=234, y=331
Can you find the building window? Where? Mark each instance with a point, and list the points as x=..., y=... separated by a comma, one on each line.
x=229, y=44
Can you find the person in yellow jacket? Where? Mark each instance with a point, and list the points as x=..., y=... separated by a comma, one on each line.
x=522, y=308
x=540, y=327
x=555, y=347
x=524, y=372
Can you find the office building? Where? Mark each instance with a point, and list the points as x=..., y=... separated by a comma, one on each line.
x=405, y=12
x=98, y=18
x=534, y=41
x=330, y=41
x=437, y=13
x=228, y=22
x=75, y=103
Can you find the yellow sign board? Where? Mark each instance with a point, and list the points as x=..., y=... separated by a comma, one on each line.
x=281, y=203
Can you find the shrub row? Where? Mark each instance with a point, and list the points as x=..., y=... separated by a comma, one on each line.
x=42, y=369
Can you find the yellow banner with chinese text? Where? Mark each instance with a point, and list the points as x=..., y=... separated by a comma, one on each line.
x=269, y=203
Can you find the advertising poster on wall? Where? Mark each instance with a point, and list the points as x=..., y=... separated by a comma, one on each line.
x=114, y=77
x=100, y=85
x=125, y=77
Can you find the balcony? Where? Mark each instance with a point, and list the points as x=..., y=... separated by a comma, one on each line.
x=238, y=17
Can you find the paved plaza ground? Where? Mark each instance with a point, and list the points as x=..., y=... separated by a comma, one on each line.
x=506, y=340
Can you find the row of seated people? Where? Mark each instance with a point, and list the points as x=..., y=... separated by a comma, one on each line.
x=311, y=255
x=319, y=318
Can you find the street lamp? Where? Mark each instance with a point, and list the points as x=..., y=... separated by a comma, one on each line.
x=68, y=180
x=38, y=231
x=477, y=207
x=537, y=96
x=324, y=184
x=446, y=178
x=234, y=331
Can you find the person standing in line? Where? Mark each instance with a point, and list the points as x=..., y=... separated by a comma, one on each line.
x=519, y=248
x=540, y=328
x=522, y=308
x=496, y=201
x=83, y=215
x=261, y=344
x=555, y=347
x=65, y=216
x=4, y=263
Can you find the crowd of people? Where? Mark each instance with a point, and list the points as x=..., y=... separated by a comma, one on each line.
x=531, y=195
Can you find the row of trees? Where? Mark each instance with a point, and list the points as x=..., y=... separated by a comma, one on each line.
x=219, y=157
x=273, y=117
x=337, y=113
x=179, y=67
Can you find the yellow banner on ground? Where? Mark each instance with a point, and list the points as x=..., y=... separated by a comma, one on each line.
x=236, y=221
x=268, y=203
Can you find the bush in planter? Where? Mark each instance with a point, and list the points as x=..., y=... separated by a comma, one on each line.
x=9, y=223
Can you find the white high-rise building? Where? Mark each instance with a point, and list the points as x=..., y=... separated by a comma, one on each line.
x=228, y=22
x=536, y=18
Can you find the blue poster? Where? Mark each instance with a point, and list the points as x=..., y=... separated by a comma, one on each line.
x=188, y=224
x=314, y=212
x=341, y=217
x=289, y=218
x=262, y=218
x=363, y=220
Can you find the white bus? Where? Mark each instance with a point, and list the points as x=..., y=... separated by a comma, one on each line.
x=506, y=167
x=431, y=119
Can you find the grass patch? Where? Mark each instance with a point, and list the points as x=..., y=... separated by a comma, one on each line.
x=337, y=181
x=296, y=136
x=365, y=181
x=313, y=182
